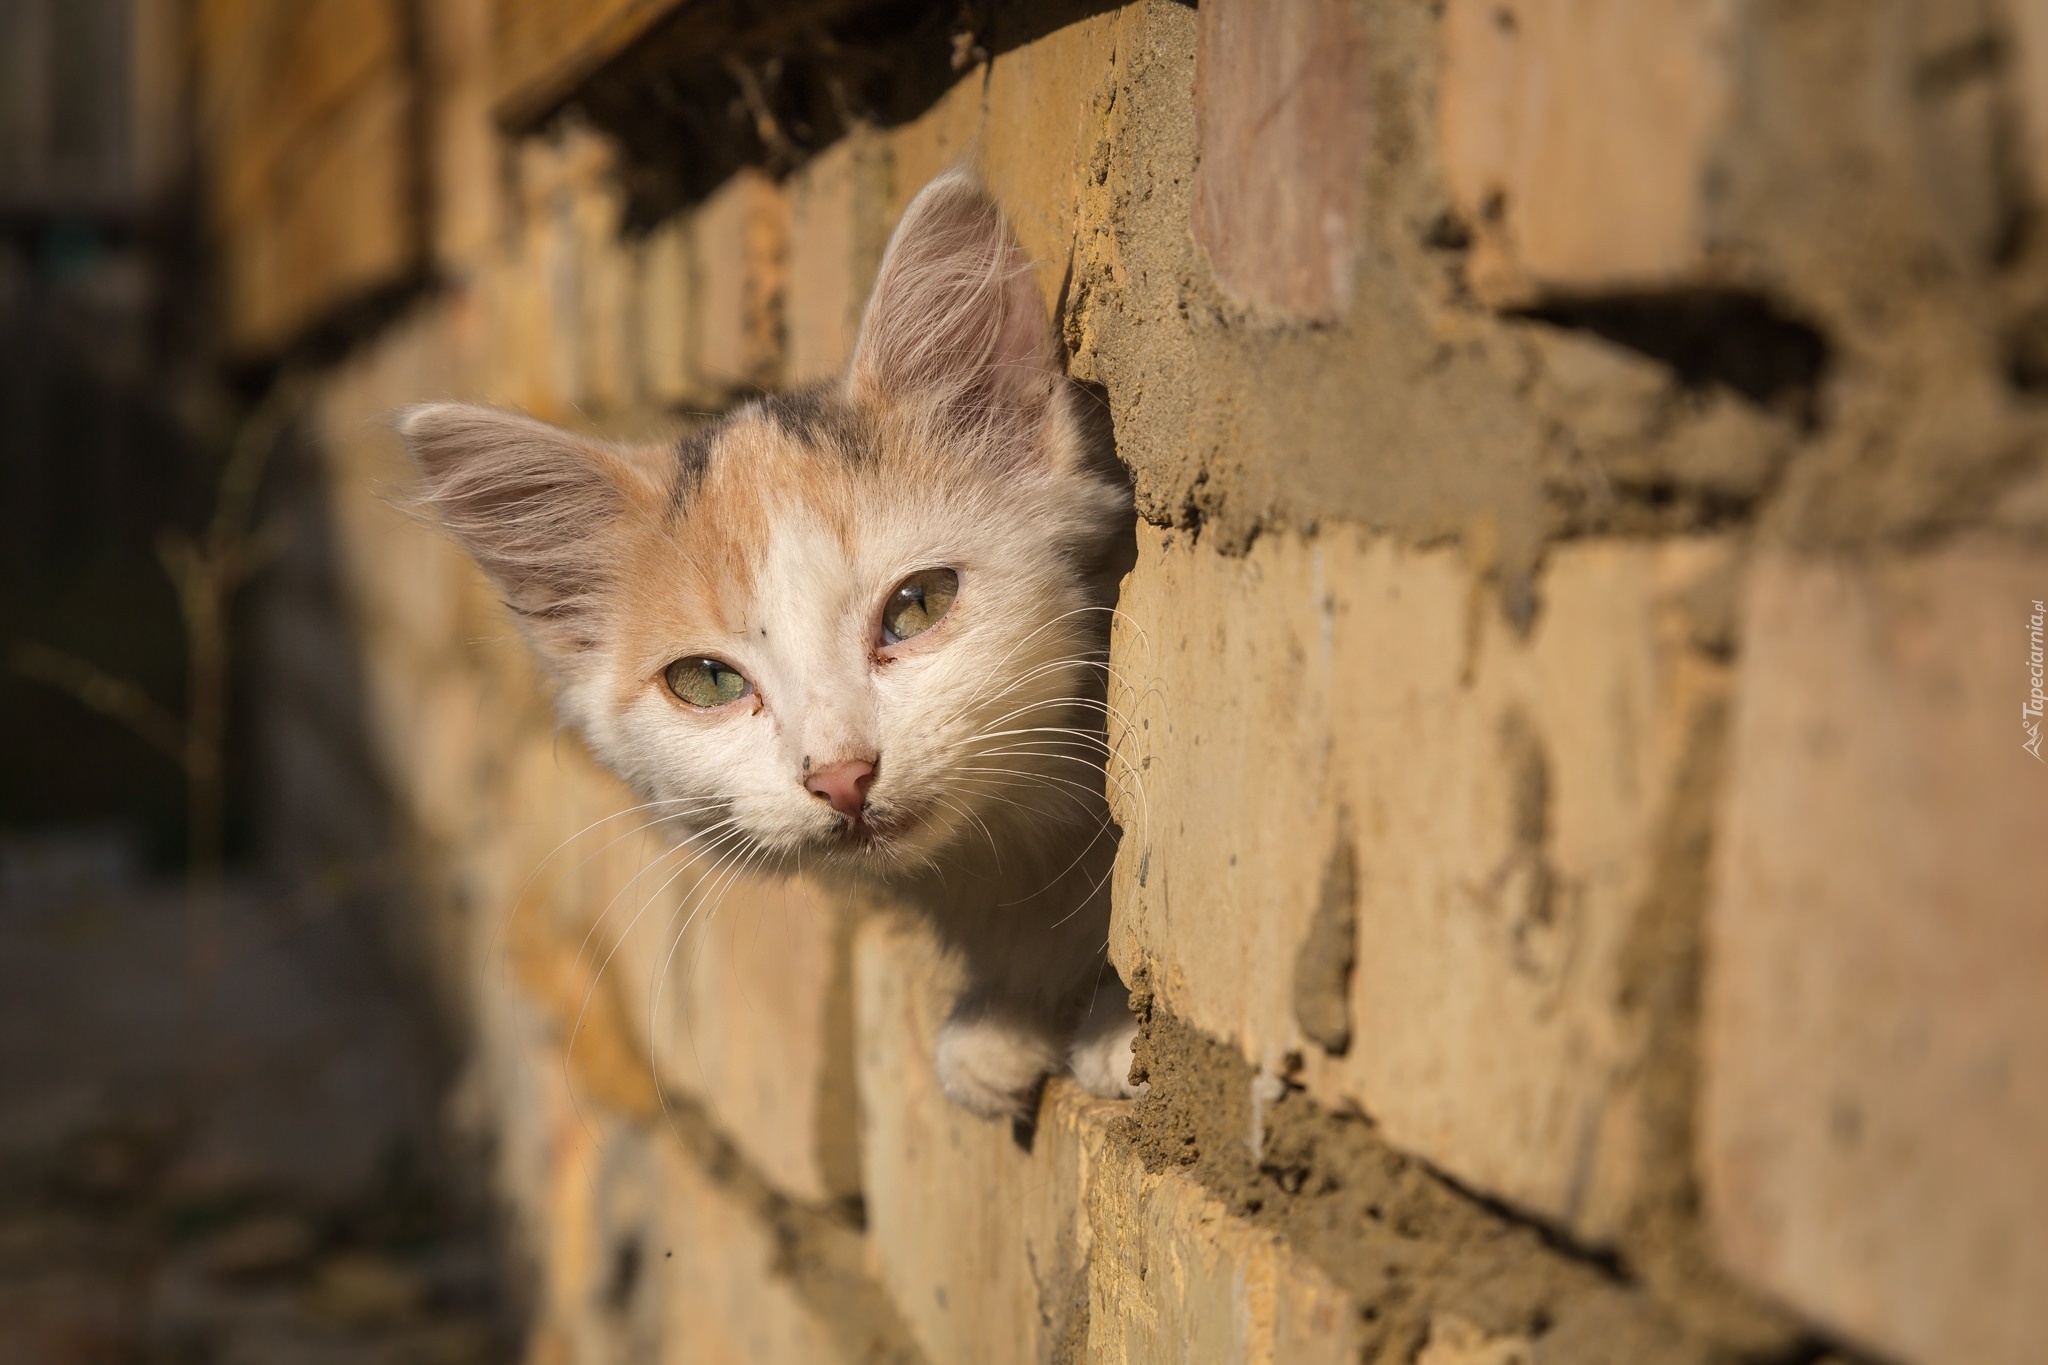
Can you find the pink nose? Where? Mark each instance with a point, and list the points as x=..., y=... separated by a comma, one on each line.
x=845, y=785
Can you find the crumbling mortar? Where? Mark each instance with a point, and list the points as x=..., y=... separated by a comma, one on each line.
x=1406, y=1241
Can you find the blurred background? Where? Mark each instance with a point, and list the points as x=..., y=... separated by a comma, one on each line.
x=1616, y=430
x=220, y=1116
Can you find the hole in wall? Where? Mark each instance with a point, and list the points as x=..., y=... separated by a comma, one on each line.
x=624, y=1277
x=2026, y=353
x=723, y=84
x=1733, y=339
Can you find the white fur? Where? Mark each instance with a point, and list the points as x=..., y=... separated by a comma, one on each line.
x=992, y=1066
x=1100, y=1055
x=986, y=732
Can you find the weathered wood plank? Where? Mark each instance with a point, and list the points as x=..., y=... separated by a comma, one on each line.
x=544, y=48
x=312, y=152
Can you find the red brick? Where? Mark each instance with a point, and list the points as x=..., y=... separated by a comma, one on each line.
x=1281, y=91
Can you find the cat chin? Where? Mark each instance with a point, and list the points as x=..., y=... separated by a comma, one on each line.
x=877, y=854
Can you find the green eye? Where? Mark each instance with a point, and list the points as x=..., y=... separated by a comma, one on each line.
x=706, y=682
x=917, y=604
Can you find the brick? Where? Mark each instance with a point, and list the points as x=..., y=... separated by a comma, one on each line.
x=589, y=1035
x=466, y=158
x=724, y=1299
x=1456, y=1341
x=1281, y=91
x=1484, y=809
x=2029, y=21
x=535, y=338
x=1175, y=1277
x=741, y=244
x=983, y=1246
x=708, y=1284
x=737, y=994
x=1043, y=114
x=604, y=290
x=835, y=246
x=1577, y=139
x=665, y=316
x=403, y=585
x=939, y=138
x=1877, y=1006
x=271, y=70
x=339, y=226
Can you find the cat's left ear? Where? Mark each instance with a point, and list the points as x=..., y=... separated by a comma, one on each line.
x=540, y=509
x=955, y=325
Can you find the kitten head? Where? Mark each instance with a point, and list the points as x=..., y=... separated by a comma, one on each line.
x=853, y=625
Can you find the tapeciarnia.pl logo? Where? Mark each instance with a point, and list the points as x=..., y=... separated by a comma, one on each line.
x=2030, y=713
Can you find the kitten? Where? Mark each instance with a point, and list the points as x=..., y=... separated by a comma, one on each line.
x=859, y=629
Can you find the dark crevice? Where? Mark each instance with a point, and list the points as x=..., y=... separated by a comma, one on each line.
x=1816, y=1350
x=624, y=1279
x=1730, y=339
x=1405, y=1240
x=1965, y=63
x=337, y=333
x=1602, y=1260
x=740, y=83
x=2026, y=353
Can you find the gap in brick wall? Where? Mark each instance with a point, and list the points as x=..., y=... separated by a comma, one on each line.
x=1411, y=1246
x=1734, y=339
x=702, y=97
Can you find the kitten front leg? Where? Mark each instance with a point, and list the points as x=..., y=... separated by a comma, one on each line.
x=1099, y=1057
x=992, y=1062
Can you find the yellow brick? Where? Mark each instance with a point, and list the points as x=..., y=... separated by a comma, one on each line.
x=666, y=316
x=1042, y=117
x=544, y=47
x=607, y=285
x=466, y=155
x=1500, y=800
x=942, y=137
x=741, y=242
x=984, y=1247
x=2029, y=19
x=1877, y=1006
x=1282, y=100
x=338, y=226
x=724, y=1299
x=1576, y=138
x=734, y=989
x=835, y=245
x=1176, y=1278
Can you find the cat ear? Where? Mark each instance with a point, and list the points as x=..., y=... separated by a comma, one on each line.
x=540, y=509
x=955, y=324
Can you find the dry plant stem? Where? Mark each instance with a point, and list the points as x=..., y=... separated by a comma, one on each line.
x=99, y=690
x=206, y=573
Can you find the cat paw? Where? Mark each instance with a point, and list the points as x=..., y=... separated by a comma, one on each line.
x=1100, y=1058
x=993, y=1067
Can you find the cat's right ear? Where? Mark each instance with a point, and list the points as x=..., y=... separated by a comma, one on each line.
x=539, y=508
x=955, y=325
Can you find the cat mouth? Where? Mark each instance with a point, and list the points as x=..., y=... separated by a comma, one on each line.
x=872, y=832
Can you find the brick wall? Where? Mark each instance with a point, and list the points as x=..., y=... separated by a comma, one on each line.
x=1580, y=870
